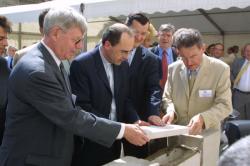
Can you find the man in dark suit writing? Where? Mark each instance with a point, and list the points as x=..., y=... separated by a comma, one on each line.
x=41, y=115
x=100, y=80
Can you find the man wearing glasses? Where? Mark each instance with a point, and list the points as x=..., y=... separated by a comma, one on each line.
x=41, y=117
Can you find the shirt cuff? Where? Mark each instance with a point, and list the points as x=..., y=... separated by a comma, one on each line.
x=121, y=133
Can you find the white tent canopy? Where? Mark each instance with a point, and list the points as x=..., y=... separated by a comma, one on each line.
x=219, y=17
x=105, y=8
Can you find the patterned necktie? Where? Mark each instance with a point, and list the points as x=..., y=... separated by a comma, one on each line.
x=65, y=77
x=164, y=65
x=239, y=75
x=191, y=80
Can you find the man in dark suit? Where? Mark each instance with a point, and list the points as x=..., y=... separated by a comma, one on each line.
x=100, y=80
x=41, y=117
x=4, y=72
x=164, y=50
x=144, y=69
x=240, y=77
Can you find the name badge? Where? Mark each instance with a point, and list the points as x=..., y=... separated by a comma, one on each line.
x=205, y=93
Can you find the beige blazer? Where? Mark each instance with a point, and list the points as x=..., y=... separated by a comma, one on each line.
x=19, y=54
x=214, y=104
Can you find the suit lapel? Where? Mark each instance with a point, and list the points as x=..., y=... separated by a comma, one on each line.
x=184, y=79
x=117, y=80
x=48, y=58
x=202, y=73
x=100, y=69
x=137, y=59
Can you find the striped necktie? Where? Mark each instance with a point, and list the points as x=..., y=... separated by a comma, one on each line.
x=239, y=75
x=164, y=65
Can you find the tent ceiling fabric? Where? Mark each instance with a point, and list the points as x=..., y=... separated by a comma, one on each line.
x=231, y=15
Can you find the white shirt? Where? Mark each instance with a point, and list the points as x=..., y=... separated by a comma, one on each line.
x=131, y=56
x=244, y=83
x=110, y=74
x=57, y=60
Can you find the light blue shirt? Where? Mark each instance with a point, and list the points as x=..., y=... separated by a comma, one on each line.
x=169, y=51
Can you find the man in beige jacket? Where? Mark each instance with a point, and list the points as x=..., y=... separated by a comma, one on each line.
x=197, y=93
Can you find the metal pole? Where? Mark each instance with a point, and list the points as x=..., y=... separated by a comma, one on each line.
x=82, y=8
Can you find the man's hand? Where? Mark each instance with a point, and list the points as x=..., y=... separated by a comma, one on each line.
x=155, y=120
x=169, y=117
x=142, y=123
x=196, y=124
x=134, y=134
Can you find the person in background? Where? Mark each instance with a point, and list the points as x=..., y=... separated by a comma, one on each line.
x=20, y=53
x=210, y=50
x=165, y=50
x=240, y=77
x=10, y=54
x=150, y=36
x=41, y=116
x=231, y=55
x=218, y=50
x=5, y=28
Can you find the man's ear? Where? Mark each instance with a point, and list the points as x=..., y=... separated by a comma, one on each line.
x=55, y=33
x=107, y=44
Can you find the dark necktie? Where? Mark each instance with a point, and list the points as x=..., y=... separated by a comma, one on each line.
x=65, y=77
x=164, y=64
x=11, y=61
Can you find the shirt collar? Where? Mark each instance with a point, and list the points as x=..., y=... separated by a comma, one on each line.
x=104, y=60
x=57, y=60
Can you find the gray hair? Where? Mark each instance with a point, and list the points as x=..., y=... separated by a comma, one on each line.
x=65, y=18
x=187, y=38
x=167, y=28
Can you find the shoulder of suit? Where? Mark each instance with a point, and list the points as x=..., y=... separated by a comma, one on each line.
x=216, y=62
x=84, y=56
x=26, y=49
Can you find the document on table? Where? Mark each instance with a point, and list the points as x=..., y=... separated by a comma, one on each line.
x=154, y=132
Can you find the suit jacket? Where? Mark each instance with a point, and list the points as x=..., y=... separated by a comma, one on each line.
x=20, y=53
x=235, y=68
x=90, y=84
x=4, y=75
x=145, y=90
x=214, y=77
x=41, y=117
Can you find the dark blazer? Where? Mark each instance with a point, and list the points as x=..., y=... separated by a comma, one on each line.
x=41, y=117
x=145, y=90
x=90, y=84
x=155, y=50
x=4, y=75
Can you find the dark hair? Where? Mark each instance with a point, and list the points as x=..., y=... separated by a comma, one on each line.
x=113, y=33
x=141, y=18
x=5, y=24
x=41, y=17
x=187, y=38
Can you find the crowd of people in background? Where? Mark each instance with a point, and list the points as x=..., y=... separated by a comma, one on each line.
x=136, y=76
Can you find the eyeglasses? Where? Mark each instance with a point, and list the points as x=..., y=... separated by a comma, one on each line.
x=77, y=41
